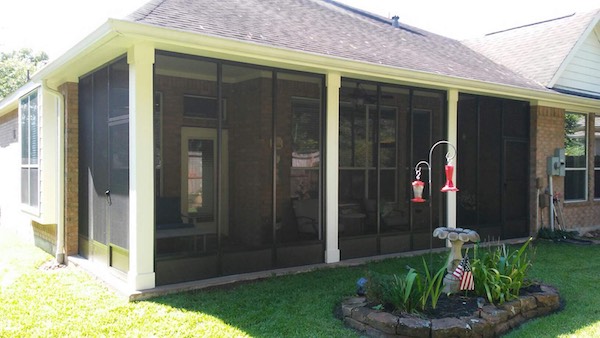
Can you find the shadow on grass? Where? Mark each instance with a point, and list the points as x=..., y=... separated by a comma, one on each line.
x=303, y=305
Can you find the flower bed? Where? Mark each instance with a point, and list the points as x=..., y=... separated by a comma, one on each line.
x=491, y=321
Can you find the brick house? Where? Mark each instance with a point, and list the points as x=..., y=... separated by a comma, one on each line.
x=219, y=138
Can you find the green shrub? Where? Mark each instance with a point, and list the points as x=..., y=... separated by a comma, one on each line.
x=401, y=292
x=407, y=292
x=499, y=273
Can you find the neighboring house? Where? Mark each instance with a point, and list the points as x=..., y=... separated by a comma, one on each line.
x=192, y=140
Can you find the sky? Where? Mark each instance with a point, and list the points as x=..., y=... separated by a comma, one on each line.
x=54, y=26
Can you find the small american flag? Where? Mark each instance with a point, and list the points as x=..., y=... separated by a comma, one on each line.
x=464, y=274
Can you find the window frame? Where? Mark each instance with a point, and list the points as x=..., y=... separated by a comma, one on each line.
x=303, y=177
x=28, y=162
x=596, y=131
x=368, y=163
x=584, y=168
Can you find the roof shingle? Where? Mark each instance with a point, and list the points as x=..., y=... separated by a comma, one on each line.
x=328, y=28
x=537, y=50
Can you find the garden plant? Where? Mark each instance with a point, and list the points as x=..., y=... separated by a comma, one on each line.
x=499, y=273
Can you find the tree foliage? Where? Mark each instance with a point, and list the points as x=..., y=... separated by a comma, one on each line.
x=575, y=134
x=15, y=67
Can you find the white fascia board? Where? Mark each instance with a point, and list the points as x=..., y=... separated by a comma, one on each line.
x=572, y=107
x=56, y=70
x=590, y=28
x=249, y=52
x=70, y=65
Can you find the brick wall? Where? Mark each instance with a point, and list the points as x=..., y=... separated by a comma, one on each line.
x=44, y=236
x=70, y=91
x=547, y=134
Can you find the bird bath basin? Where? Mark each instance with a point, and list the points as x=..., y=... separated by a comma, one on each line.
x=457, y=238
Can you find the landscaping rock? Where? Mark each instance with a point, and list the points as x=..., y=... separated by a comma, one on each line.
x=449, y=327
x=355, y=324
x=383, y=321
x=513, y=307
x=547, y=299
x=480, y=327
x=352, y=303
x=528, y=303
x=516, y=321
x=413, y=327
x=361, y=313
x=493, y=320
x=493, y=314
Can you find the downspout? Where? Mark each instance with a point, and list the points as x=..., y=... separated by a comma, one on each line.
x=60, y=179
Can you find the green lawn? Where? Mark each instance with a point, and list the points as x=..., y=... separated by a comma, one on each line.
x=69, y=303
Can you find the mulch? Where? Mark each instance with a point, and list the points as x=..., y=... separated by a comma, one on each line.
x=460, y=304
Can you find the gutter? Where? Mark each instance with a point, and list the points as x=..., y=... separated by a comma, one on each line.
x=60, y=173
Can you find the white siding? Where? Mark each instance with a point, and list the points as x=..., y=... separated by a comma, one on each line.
x=11, y=217
x=583, y=71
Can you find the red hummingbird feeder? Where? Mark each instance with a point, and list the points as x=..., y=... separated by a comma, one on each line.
x=418, y=186
x=449, y=187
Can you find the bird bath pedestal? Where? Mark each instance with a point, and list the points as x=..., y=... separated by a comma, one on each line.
x=457, y=237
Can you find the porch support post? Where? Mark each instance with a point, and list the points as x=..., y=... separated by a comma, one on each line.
x=141, y=167
x=332, y=122
x=452, y=138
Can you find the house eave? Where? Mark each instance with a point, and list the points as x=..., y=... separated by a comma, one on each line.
x=251, y=52
x=115, y=37
x=83, y=57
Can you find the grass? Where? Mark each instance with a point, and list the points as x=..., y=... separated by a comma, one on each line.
x=69, y=303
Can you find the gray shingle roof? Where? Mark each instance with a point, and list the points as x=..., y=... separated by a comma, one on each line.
x=537, y=50
x=328, y=28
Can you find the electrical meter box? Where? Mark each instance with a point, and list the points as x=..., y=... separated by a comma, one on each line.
x=556, y=164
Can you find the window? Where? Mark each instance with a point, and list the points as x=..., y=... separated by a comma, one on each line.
x=202, y=107
x=597, y=157
x=306, y=143
x=576, y=152
x=29, y=150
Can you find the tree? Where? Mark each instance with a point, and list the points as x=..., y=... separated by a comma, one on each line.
x=574, y=134
x=15, y=68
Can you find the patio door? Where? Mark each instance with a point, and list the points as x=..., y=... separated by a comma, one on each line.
x=494, y=166
x=104, y=166
x=199, y=178
x=515, y=214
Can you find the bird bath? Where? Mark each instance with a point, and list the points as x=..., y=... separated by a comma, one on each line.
x=457, y=237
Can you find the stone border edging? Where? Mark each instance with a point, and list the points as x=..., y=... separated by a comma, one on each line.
x=494, y=321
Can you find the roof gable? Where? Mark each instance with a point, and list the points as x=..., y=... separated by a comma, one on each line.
x=540, y=51
x=328, y=28
x=581, y=70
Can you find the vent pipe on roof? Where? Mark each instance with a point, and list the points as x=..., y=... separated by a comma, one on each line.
x=395, y=22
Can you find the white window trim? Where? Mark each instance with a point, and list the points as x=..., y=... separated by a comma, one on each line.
x=27, y=207
x=594, y=117
x=586, y=167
